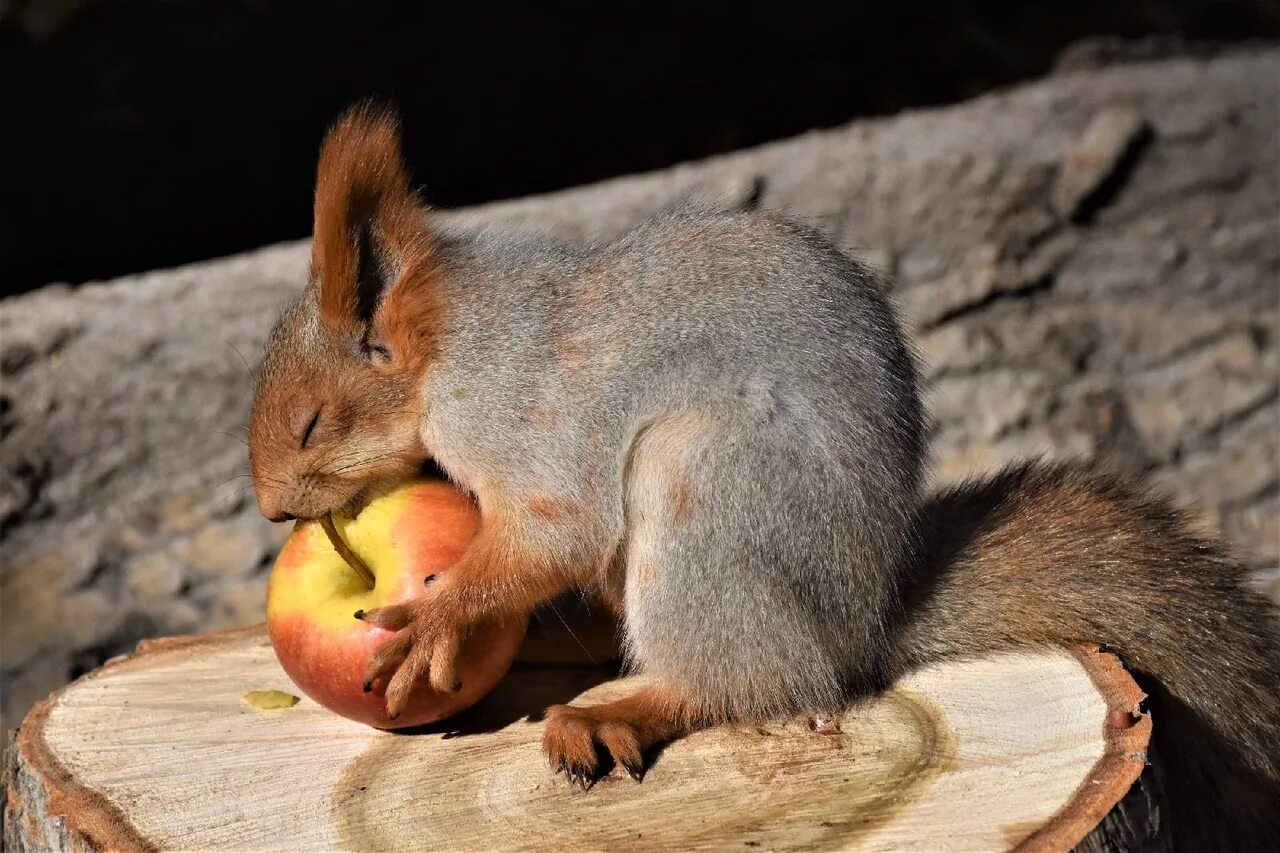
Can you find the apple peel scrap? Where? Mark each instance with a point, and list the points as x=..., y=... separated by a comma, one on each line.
x=270, y=700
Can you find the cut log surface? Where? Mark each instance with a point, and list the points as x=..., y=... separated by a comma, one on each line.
x=161, y=750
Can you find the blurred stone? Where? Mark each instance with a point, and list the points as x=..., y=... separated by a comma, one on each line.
x=957, y=457
x=183, y=512
x=1255, y=529
x=276, y=534
x=1103, y=416
x=36, y=595
x=1159, y=418
x=31, y=685
x=15, y=357
x=178, y=616
x=992, y=402
x=39, y=618
x=974, y=280
x=132, y=537
x=1213, y=384
x=1239, y=472
x=224, y=548
x=242, y=603
x=920, y=265
x=955, y=347
x=154, y=579
x=1093, y=158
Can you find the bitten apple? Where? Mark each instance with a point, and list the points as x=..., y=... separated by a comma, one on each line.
x=418, y=530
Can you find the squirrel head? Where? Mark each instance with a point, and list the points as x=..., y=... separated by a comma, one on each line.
x=338, y=405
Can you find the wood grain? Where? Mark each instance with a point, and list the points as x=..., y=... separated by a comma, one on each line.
x=160, y=750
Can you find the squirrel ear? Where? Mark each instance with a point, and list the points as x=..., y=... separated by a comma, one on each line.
x=368, y=221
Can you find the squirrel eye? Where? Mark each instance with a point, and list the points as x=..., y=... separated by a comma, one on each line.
x=310, y=428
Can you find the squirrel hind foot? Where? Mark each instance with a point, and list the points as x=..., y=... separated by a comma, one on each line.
x=586, y=743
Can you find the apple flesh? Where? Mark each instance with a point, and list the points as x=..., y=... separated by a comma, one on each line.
x=415, y=531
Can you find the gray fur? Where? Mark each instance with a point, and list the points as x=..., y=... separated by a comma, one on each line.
x=737, y=360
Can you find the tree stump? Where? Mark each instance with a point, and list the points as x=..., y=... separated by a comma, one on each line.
x=160, y=750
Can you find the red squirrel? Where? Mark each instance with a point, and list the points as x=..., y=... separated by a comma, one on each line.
x=713, y=422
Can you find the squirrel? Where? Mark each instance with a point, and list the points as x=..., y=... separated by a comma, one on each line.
x=714, y=422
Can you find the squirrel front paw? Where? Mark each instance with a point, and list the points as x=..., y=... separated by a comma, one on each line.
x=429, y=635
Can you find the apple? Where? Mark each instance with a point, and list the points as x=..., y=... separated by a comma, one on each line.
x=414, y=531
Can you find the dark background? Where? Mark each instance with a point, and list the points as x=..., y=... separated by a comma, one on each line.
x=143, y=133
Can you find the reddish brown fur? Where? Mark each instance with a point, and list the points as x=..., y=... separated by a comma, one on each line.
x=681, y=500
x=572, y=354
x=411, y=319
x=646, y=573
x=541, y=415
x=551, y=508
x=370, y=409
x=361, y=181
x=627, y=728
x=386, y=446
x=505, y=571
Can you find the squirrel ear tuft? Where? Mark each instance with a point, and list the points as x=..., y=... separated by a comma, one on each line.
x=369, y=222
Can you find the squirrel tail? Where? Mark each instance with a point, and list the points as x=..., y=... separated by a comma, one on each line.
x=1053, y=555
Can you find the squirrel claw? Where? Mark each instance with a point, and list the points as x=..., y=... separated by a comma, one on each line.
x=576, y=739
x=425, y=646
x=633, y=770
x=576, y=774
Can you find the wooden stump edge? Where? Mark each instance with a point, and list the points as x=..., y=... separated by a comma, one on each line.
x=74, y=816
x=1127, y=733
x=54, y=809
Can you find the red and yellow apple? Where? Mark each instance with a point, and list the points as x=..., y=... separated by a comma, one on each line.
x=404, y=536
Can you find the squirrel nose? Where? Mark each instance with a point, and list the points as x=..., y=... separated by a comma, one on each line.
x=272, y=506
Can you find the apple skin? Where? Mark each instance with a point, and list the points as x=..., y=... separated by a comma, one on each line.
x=418, y=529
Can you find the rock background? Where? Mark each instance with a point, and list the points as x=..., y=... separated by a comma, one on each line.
x=1091, y=266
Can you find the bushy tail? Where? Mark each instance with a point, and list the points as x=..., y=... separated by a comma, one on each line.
x=1051, y=555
